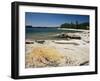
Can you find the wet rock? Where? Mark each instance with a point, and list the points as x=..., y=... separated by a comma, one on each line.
x=40, y=41
x=29, y=42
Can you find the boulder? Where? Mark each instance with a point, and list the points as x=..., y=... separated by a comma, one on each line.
x=40, y=41
x=69, y=35
x=29, y=42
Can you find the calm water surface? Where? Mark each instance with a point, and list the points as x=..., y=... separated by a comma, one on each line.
x=45, y=33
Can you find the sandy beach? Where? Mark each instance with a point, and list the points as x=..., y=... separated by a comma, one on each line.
x=57, y=53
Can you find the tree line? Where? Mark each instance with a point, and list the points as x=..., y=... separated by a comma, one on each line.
x=76, y=25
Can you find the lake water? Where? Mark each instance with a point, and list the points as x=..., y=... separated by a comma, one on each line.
x=45, y=33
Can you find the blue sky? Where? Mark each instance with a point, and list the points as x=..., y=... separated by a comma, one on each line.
x=52, y=20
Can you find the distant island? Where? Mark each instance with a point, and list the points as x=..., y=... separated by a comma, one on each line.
x=29, y=26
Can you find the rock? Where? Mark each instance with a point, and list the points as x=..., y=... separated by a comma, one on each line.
x=86, y=37
x=74, y=37
x=40, y=41
x=84, y=63
x=66, y=42
x=29, y=42
x=69, y=36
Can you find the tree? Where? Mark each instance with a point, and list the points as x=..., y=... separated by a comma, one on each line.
x=77, y=25
x=84, y=25
x=72, y=25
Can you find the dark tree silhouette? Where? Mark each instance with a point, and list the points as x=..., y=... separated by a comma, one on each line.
x=84, y=25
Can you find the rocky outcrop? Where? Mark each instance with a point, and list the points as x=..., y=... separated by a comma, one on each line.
x=29, y=42
x=69, y=36
x=55, y=53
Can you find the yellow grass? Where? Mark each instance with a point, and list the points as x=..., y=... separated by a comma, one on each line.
x=43, y=56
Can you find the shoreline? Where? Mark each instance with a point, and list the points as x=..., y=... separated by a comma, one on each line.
x=82, y=30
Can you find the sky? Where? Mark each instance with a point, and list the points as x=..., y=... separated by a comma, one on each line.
x=52, y=20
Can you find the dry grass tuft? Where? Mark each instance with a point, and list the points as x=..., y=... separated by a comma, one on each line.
x=43, y=56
